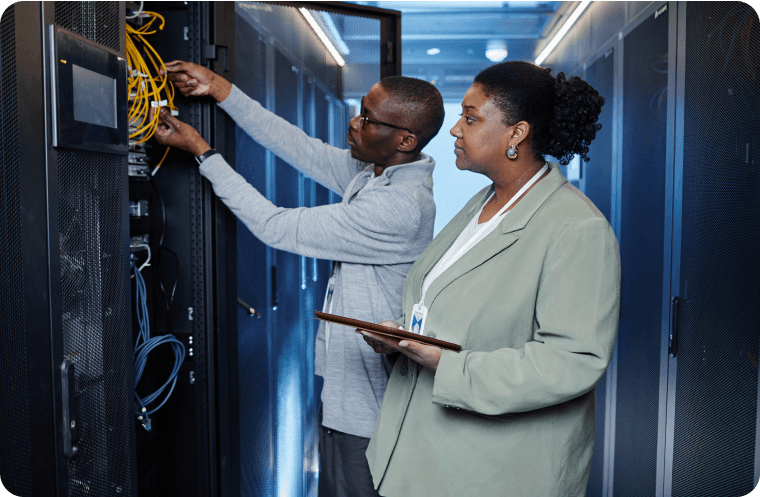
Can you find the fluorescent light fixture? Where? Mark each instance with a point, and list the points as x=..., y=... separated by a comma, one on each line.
x=562, y=32
x=496, y=50
x=323, y=37
x=433, y=51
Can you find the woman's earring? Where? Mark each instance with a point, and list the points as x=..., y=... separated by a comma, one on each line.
x=512, y=152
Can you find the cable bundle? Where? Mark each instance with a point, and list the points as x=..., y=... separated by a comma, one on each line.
x=143, y=346
x=146, y=84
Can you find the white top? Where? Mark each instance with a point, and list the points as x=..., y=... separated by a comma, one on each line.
x=472, y=234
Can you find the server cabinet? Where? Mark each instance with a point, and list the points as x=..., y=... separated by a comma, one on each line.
x=714, y=342
x=682, y=189
x=642, y=248
x=596, y=180
x=65, y=351
x=191, y=449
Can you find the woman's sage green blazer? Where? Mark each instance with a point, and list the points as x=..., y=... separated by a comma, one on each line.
x=535, y=308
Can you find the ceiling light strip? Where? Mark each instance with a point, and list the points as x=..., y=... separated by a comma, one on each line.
x=562, y=32
x=322, y=36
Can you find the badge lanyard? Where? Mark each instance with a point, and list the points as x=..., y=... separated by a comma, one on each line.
x=419, y=311
x=328, y=305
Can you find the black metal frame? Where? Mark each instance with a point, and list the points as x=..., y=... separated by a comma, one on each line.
x=221, y=134
x=390, y=29
x=41, y=298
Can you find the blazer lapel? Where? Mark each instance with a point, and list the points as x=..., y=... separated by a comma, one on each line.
x=443, y=241
x=505, y=234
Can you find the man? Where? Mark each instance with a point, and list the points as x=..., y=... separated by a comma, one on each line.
x=375, y=234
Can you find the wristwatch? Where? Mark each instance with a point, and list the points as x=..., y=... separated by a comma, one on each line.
x=206, y=155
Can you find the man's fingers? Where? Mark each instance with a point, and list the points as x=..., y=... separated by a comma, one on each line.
x=185, y=83
x=176, y=66
x=169, y=119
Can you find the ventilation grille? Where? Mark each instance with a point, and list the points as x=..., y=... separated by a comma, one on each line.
x=15, y=459
x=96, y=21
x=93, y=304
x=641, y=253
x=713, y=454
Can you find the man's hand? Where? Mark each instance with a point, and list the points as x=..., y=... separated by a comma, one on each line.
x=192, y=79
x=174, y=133
x=427, y=355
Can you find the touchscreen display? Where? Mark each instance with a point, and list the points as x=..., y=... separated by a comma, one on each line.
x=94, y=97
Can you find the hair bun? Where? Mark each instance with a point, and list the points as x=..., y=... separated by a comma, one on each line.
x=576, y=110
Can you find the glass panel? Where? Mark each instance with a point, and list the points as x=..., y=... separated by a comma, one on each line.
x=283, y=64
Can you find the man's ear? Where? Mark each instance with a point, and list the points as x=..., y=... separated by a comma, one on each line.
x=408, y=143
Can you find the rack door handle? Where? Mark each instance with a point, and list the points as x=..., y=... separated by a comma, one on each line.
x=673, y=333
x=68, y=395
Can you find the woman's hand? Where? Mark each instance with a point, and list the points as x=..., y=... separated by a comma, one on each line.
x=427, y=355
x=382, y=347
x=194, y=80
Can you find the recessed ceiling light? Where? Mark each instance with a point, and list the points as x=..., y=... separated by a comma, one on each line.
x=496, y=50
x=433, y=51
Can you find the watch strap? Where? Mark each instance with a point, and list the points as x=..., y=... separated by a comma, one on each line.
x=205, y=155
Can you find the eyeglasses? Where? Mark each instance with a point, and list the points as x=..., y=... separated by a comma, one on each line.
x=369, y=120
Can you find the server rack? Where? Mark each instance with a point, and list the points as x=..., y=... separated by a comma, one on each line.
x=67, y=295
x=66, y=304
x=683, y=199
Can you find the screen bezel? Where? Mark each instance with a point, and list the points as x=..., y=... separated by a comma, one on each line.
x=68, y=50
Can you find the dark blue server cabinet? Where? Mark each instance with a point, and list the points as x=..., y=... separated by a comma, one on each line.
x=675, y=170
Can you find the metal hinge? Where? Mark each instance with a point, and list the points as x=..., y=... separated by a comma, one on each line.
x=389, y=52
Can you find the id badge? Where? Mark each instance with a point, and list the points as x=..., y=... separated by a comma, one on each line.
x=327, y=304
x=419, y=315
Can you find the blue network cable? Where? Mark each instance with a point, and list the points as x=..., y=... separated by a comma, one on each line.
x=143, y=346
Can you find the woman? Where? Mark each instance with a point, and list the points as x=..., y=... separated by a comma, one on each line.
x=526, y=278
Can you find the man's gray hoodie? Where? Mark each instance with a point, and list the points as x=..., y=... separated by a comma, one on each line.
x=378, y=230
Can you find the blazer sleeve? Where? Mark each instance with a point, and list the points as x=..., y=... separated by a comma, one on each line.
x=576, y=316
x=379, y=226
x=332, y=167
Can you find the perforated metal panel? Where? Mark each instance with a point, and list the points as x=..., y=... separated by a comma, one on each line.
x=97, y=21
x=597, y=183
x=15, y=447
x=598, y=186
x=718, y=340
x=598, y=171
x=93, y=291
x=642, y=246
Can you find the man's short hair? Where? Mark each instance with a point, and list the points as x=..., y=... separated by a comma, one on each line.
x=422, y=104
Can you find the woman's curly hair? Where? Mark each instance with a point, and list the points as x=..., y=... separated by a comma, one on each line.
x=562, y=113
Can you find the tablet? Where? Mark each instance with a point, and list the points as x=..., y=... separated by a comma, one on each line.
x=385, y=330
